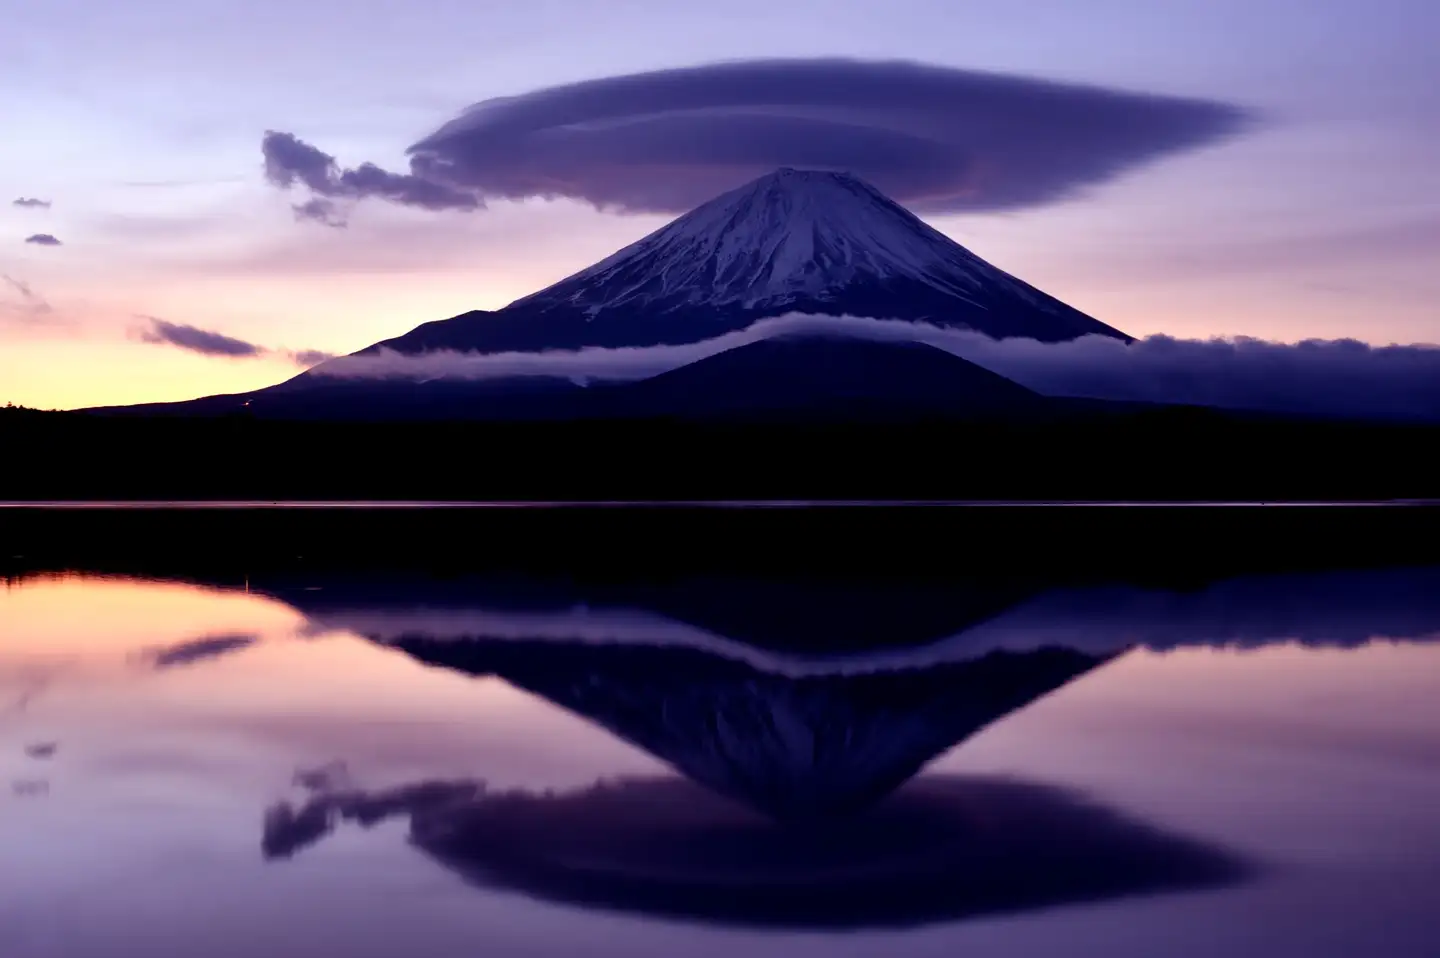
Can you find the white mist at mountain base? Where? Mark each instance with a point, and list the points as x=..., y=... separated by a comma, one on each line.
x=1336, y=377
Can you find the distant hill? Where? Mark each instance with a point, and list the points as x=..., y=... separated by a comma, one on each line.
x=827, y=376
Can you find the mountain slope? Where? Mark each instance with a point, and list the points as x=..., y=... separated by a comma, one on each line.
x=821, y=375
x=790, y=242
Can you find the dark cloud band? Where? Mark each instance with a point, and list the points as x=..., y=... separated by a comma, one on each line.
x=291, y=162
x=18, y=298
x=196, y=340
x=198, y=650
x=31, y=203
x=934, y=138
x=209, y=343
x=42, y=239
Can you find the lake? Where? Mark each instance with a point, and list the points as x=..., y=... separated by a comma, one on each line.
x=299, y=744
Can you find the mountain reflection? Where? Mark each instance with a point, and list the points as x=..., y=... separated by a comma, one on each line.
x=791, y=747
x=939, y=849
x=804, y=701
x=799, y=719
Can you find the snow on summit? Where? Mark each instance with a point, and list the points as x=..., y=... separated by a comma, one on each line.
x=792, y=232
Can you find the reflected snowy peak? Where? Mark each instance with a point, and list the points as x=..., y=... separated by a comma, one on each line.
x=789, y=747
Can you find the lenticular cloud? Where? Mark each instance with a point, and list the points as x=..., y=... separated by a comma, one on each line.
x=937, y=139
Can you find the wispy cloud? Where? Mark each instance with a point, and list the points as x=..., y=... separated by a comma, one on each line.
x=30, y=202
x=23, y=302
x=203, y=341
x=1327, y=377
x=320, y=210
x=179, y=183
x=207, y=342
x=936, y=138
x=43, y=239
x=289, y=161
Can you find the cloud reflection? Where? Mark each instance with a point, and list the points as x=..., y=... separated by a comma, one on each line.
x=942, y=849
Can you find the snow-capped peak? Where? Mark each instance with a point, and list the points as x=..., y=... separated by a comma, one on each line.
x=789, y=233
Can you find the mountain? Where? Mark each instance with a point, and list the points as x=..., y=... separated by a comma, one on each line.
x=794, y=241
x=791, y=242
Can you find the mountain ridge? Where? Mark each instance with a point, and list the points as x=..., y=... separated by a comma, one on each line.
x=803, y=242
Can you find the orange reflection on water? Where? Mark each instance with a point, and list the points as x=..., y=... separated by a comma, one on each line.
x=146, y=726
x=110, y=667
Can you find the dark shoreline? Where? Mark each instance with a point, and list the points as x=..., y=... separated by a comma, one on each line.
x=1162, y=544
x=1167, y=454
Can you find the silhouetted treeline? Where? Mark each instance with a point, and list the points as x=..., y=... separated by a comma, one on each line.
x=1156, y=454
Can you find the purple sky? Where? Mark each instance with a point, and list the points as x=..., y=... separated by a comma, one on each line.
x=140, y=125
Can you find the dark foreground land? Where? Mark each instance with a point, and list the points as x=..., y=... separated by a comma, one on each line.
x=1155, y=454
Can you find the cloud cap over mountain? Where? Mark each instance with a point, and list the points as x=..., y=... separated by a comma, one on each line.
x=935, y=138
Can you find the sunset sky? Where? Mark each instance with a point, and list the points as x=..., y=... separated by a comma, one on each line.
x=138, y=190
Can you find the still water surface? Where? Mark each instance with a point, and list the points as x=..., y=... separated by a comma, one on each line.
x=376, y=768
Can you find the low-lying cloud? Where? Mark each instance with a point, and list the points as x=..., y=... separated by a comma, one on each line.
x=207, y=342
x=935, y=138
x=31, y=203
x=43, y=239
x=310, y=357
x=1324, y=377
